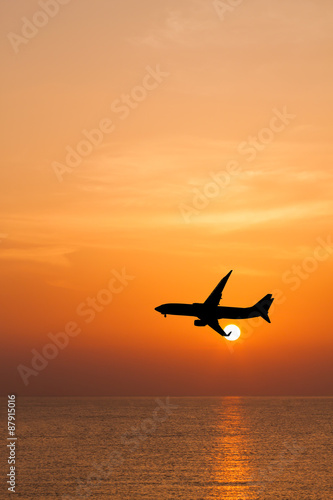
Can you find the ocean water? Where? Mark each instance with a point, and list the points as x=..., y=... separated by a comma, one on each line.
x=176, y=448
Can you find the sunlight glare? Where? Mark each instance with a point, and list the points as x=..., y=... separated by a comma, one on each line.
x=234, y=330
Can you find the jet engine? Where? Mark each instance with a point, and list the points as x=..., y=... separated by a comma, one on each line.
x=199, y=322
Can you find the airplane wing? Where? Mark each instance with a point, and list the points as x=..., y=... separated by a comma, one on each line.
x=216, y=295
x=214, y=324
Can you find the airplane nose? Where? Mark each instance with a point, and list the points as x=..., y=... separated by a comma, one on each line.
x=158, y=309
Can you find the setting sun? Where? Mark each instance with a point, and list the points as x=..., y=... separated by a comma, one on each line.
x=234, y=332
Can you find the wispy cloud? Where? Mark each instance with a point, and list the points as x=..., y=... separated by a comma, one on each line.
x=189, y=27
x=54, y=255
x=237, y=220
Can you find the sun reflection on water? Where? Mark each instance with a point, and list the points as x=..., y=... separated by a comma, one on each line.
x=232, y=471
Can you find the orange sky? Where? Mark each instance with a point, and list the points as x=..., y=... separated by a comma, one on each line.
x=219, y=159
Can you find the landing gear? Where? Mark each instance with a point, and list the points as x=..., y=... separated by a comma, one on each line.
x=165, y=315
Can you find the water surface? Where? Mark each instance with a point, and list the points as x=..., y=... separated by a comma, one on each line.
x=203, y=448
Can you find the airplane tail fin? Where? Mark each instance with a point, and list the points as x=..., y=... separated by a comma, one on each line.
x=263, y=307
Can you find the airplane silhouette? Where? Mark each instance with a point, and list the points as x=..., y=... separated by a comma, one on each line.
x=209, y=312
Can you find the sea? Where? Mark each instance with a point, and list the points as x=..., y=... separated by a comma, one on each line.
x=160, y=448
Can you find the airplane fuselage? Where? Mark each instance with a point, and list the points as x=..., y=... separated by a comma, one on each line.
x=202, y=311
x=209, y=312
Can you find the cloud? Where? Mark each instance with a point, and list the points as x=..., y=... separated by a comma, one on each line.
x=66, y=284
x=254, y=272
x=238, y=220
x=190, y=27
x=255, y=25
x=56, y=256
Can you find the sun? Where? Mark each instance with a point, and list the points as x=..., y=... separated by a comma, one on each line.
x=234, y=332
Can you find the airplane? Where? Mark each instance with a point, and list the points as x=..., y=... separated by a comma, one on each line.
x=209, y=312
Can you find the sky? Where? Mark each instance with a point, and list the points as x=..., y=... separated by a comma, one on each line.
x=148, y=149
